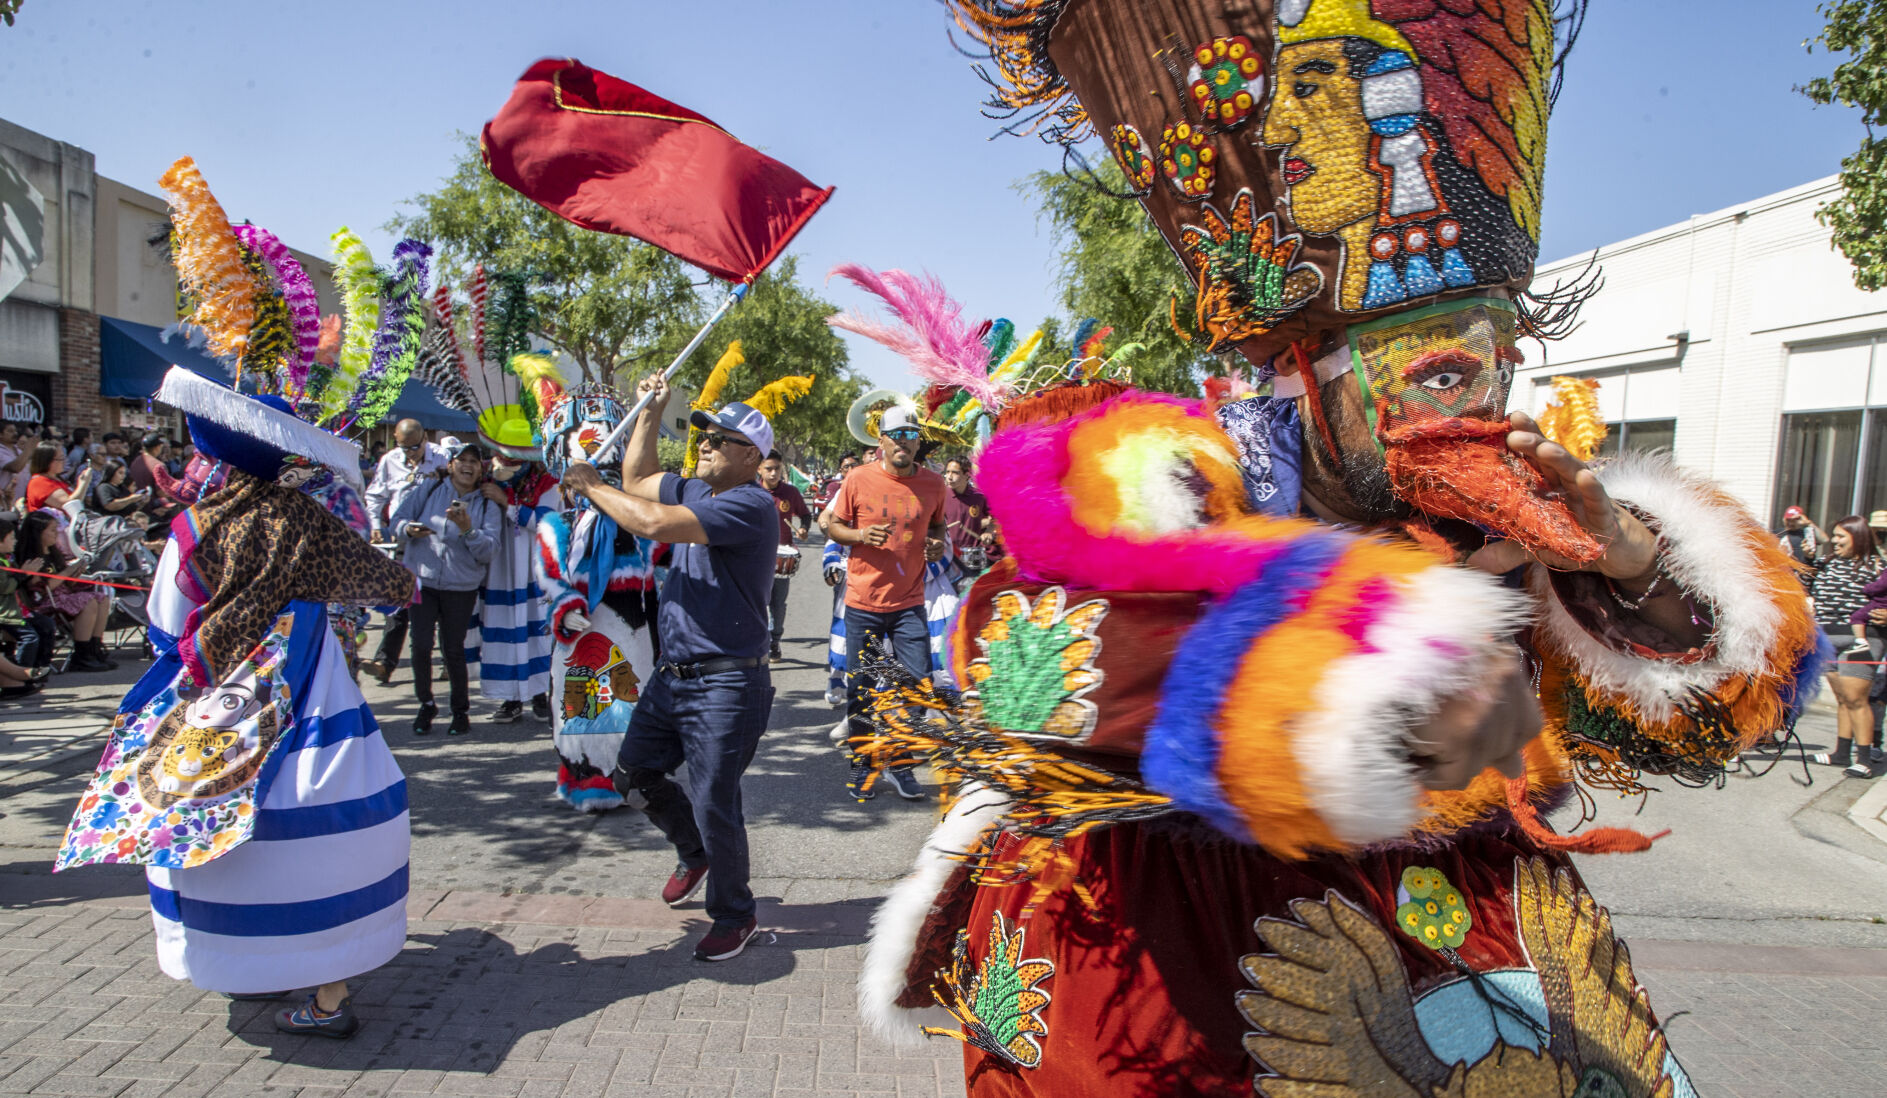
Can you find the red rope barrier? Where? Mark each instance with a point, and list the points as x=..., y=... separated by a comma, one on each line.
x=72, y=579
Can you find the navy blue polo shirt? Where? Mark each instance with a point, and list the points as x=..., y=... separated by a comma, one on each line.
x=715, y=601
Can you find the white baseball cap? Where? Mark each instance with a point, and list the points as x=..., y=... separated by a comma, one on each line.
x=738, y=417
x=895, y=417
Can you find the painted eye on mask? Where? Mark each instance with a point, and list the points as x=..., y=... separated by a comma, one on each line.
x=1444, y=381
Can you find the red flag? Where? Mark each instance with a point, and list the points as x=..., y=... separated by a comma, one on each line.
x=610, y=156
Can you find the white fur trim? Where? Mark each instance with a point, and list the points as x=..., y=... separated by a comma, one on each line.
x=900, y=918
x=1447, y=626
x=1706, y=553
x=195, y=395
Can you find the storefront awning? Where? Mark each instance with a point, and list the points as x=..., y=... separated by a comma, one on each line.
x=132, y=358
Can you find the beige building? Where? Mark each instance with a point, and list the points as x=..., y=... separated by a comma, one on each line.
x=83, y=333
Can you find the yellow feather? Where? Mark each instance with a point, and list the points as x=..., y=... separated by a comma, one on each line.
x=773, y=398
x=1019, y=356
x=711, y=392
x=717, y=378
x=1573, y=419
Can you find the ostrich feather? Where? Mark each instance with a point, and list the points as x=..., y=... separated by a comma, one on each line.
x=1018, y=358
x=397, y=338
x=452, y=351
x=298, y=293
x=1573, y=419
x=540, y=385
x=774, y=396
x=360, y=284
x=209, y=262
x=439, y=368
x=480, y=291
x=730, y=361
x=939, y=344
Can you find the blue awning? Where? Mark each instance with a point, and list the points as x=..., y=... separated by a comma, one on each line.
x=132, y=358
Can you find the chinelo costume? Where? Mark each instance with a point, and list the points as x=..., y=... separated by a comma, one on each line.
x=245, y=771
x=1190, y=851
x=599, y=582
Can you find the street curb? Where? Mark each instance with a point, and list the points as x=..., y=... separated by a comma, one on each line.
x=1866, y=811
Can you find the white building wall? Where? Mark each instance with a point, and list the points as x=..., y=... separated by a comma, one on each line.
x=1744, y=285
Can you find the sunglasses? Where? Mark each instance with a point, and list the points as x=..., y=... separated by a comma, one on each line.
x=716, y=440
x=904, y=434
x=414, y=448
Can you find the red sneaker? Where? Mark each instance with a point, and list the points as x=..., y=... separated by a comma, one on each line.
x=683, y=884
x=725, y=940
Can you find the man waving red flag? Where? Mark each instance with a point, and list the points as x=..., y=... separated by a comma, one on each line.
x=607, y=155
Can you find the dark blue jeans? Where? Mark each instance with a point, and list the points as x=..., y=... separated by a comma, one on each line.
x=713, y=724
x=908, y=632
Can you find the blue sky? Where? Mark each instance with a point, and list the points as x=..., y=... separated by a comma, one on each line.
x=306, y=116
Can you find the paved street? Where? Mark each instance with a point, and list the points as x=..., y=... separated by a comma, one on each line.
x=540, y=962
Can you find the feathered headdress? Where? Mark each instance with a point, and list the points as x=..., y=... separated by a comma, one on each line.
x=942, y=347
x=397, y=338
x=358, y=281
x=209, y=262
x=298, y=302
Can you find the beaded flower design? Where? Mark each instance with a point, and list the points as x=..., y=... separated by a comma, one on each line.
x=1038, y=665
x=999, y=1004
x=1432, y=911
x=1223, y=76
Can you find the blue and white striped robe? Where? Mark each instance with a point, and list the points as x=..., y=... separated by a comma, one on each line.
x=940, y=610
x=318, y=893
x=511, y=643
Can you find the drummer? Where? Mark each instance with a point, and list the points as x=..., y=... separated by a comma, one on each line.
x=792, y=506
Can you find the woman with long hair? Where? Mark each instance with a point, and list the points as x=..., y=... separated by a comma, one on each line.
x=114, y=494
x=1836, y=591
x=46, y=486
x=43, y=549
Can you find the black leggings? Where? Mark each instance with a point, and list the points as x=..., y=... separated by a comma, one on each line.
x=450, y=613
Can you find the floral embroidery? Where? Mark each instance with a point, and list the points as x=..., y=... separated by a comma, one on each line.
x=1038, y=665
x=1223, y=74
x=1130, y=149
x=999, y=1005
x=1432, y=910
x=177, y=784
x=1246, y=271
x=1187, y=160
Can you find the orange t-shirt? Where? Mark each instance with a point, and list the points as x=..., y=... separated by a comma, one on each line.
x=891, y=576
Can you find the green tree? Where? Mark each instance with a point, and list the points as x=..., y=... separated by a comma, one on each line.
x=782, y=330
x=1858, y=217
x=608, y=302
x=1116, y=267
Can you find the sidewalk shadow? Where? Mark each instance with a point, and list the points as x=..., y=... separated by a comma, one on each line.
x=460, y=1001
x=31, y=883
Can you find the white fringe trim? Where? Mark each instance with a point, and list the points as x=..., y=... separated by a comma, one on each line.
x=1706, y=554
x=900, y=918
x=195, y=395
x=1449, y=625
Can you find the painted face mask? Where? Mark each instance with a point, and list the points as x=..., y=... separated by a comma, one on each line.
x=575, y=429
x=1435, y=384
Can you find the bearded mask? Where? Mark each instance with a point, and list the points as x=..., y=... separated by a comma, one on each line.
x=1331, y=170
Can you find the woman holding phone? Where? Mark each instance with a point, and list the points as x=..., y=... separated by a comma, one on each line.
x=449, y=530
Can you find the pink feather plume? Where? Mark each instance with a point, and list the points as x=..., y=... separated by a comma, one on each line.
x=940, y=345
x=298, y=293
x=442, y=307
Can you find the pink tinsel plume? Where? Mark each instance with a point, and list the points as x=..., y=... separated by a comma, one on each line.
x=304, y=309
x=941, y=346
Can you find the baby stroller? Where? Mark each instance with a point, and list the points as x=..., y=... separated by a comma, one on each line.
x=113, y=551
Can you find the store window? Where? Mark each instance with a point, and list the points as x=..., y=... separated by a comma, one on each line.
x=1638, y=403
x=1833, y=458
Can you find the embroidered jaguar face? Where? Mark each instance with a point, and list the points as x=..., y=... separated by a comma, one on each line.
x=210, y=746
x=199, y=755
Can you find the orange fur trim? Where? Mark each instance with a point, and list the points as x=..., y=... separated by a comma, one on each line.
x=1094, y=484
x=1258, y=769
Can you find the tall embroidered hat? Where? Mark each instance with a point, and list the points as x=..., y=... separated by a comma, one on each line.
x=1316, y=163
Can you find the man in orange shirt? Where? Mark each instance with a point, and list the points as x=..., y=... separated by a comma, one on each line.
x=891, y=515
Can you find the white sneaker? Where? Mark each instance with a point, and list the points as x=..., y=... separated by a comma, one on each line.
x=841, y=732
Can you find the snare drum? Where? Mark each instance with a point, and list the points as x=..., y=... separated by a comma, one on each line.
x=786, y=561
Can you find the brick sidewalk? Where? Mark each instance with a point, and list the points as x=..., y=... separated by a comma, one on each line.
x=614, y=1005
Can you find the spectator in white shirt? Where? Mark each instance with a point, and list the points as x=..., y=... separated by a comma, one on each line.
x=401, y=470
